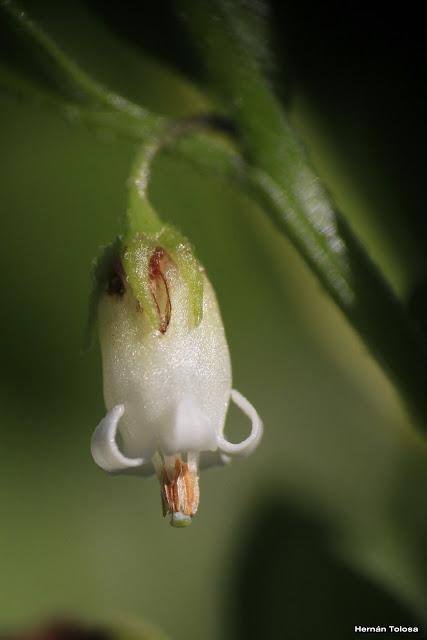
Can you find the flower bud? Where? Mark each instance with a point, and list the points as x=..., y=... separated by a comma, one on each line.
x=166, y=370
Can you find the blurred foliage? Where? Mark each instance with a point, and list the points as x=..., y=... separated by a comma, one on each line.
x=72, y=630
x=337, y=443
x=293, y=581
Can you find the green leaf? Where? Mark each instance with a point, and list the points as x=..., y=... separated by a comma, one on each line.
x=274, y=582
x=284, y=182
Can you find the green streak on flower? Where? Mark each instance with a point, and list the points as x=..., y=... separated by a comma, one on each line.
x=140, y=256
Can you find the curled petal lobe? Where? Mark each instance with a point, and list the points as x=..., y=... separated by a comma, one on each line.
x=104, y=448
x=250, y=443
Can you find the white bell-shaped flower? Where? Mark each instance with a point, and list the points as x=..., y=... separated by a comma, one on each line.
x=167, y=388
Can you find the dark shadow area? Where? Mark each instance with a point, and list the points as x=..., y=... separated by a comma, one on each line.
x=288, y=584
x=362, y=67
x=417, y=304
x=408, y=509
x=394, y=339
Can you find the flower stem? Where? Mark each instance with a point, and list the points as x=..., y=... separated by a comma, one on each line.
x=91, y=100
x=141, y=217
x=60, y=65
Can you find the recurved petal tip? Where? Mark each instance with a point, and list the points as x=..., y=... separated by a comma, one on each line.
x=250, y=443
x=104, y=449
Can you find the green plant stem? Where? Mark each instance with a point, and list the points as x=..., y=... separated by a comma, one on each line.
x=62, y=67
x=94, y=116
x=285, y=183
x=141, y=217
x=194, y=139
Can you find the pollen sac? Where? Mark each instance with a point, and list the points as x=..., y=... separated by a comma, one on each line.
x=159, y=287
x=179, y=491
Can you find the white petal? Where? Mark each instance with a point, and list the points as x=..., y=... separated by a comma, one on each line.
x=175, y=386
x=248, y=445
x=105, y=451
x=191, y=431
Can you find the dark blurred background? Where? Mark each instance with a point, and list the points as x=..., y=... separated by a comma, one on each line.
x=325, y=527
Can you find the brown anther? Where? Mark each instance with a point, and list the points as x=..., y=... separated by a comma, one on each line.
x=159, y=287
x=180, y=493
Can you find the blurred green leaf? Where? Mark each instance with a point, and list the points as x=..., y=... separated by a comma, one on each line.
x=298, y=204
x=290, y=582
x=90, y=100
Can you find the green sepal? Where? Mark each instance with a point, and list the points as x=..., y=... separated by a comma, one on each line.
x=137, y=252
x=181, y=251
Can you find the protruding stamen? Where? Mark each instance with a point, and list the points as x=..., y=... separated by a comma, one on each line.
x=180, y=490
x=159, y=287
